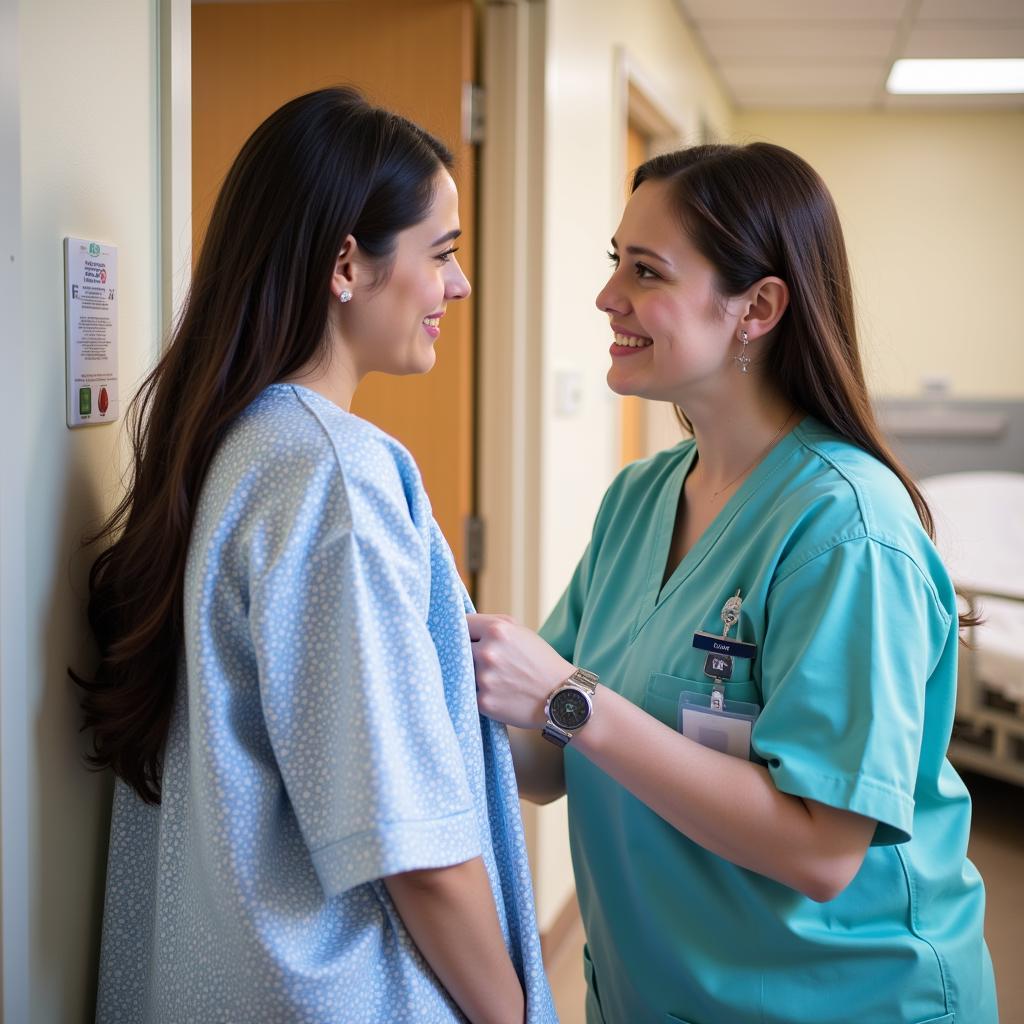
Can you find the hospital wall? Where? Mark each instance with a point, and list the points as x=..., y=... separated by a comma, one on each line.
x=932, y=211
x=589, y=43
x=89, y=160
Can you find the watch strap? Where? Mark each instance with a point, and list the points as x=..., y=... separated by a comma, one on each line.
x=555, y=735
x=583, y=679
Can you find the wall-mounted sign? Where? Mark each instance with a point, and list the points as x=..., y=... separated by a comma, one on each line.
x=90, y=331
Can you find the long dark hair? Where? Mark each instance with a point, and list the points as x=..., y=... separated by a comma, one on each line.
x=323, y=166
x=758, y=211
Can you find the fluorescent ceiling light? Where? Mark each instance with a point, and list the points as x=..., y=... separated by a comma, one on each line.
x=956, y=76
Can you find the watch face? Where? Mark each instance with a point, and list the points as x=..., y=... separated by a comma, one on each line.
x=569, y=709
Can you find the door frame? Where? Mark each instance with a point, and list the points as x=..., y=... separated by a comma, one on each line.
x=175, y=48
x=510, y=321
x=510, y=325
x=637, y=98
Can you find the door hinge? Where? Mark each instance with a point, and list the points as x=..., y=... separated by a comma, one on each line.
x=474, y=544
x=473, y=122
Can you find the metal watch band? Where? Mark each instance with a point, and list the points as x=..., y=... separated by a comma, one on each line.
x=584, y=679
x=580, y=679
x=555, y=735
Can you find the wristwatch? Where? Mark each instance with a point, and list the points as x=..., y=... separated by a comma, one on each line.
x=569, y=707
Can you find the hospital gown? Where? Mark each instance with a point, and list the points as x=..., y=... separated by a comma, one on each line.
x=325, y=734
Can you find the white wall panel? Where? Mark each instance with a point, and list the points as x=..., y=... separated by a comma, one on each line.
x=90, y=168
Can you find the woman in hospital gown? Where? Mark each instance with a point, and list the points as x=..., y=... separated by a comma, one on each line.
x=795, y=854
x=326, y=831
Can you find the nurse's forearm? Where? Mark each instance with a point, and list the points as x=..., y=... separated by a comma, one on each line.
x=539, y=766
x=450, y=914
x=728, y=805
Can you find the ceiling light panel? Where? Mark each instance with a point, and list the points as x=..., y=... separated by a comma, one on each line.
x=956, y=77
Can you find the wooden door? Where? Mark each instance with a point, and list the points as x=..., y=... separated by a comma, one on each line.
x=414, y=57
x=632, y=435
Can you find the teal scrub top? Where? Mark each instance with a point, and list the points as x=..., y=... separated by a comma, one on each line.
x=854, y=618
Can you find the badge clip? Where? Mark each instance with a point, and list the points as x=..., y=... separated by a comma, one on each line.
x=721, y=650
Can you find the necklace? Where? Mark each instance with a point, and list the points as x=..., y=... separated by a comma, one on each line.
x=757, y=458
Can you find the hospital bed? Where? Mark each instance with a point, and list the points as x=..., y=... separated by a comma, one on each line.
x=968, y=458
x=979, y=522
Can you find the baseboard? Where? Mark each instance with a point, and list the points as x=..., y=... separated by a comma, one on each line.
x=553, y=940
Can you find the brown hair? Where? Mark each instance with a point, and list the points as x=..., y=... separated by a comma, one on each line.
x=323, y=166
x=760, y=210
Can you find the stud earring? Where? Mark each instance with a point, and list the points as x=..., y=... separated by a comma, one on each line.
x=743, y=360
x=345, y=295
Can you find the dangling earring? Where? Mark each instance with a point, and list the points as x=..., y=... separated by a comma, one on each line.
x=743, y=360
x=345, y=295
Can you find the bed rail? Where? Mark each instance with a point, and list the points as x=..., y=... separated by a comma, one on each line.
x=988, y=729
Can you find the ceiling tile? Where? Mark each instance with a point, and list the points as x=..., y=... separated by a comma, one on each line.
x=804, y=76
x=971, y=10
x=761, y=41
x=820, y=53
x=964, y=41
x=793, y=10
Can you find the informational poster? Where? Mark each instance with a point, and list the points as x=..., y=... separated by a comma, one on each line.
x=90, y=331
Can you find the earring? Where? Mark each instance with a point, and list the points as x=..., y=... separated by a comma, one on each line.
x=345, y=295
x=743, y=360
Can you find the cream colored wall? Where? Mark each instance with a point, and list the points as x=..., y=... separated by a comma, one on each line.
x=584, y=180
x=588, y=42
x=934, y=220
x=13, y=849
x=89, y=167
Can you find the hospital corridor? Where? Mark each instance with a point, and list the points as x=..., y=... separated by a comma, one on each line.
x=512, y=510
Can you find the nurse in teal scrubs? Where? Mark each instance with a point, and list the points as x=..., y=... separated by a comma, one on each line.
x=749, y=684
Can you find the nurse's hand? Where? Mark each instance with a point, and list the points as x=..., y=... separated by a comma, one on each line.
x=515, y=670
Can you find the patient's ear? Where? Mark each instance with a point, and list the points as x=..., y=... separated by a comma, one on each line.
x=348, y=269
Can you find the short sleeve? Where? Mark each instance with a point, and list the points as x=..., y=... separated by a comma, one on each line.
x=851, y=639
x=351, y=687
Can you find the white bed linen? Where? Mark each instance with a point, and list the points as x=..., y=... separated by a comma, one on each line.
x=979, y=522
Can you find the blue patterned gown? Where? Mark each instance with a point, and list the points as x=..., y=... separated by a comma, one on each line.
x=325, y=735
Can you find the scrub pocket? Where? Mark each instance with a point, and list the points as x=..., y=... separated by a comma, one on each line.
x=669, y=698
x=661, y=697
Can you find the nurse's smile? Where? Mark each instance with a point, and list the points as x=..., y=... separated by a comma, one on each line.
x=628, y=343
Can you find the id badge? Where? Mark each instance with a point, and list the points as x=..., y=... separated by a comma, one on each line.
x=727, y=730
